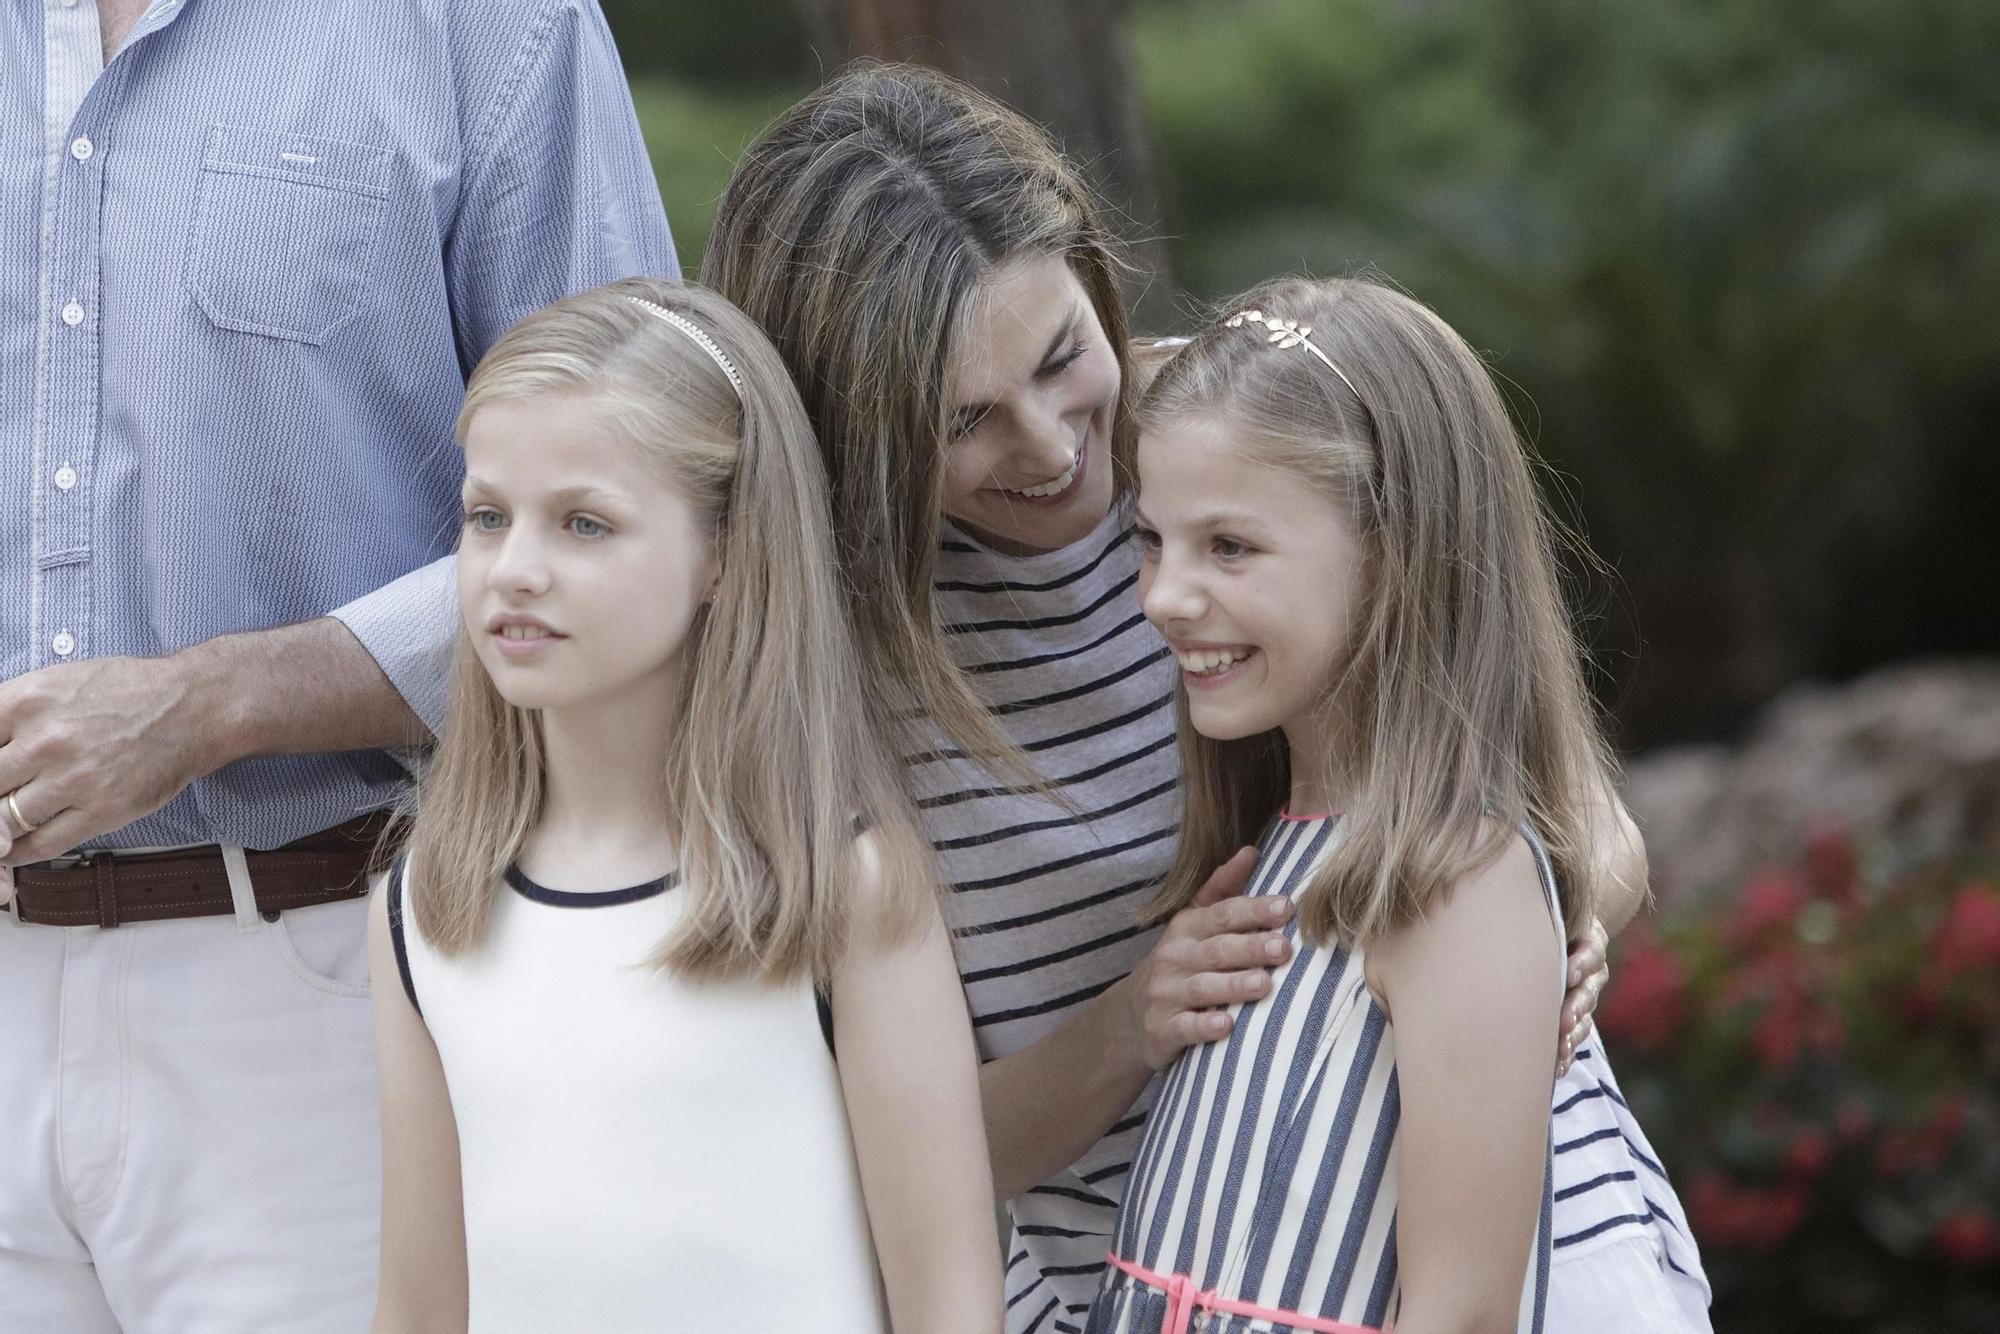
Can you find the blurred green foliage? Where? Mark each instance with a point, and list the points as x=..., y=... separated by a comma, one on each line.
x=742, y=46
x=694, y=137
x=1734, y=259
x=1736, y=256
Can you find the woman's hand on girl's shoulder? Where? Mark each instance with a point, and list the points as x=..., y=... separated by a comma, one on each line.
x=1216, y=952
x=1589, y=970
x=1618, y=853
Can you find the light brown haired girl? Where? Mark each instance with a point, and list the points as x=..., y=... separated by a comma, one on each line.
x=1344, y=546
x=660, y=870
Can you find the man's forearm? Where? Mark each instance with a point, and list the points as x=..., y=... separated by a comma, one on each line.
x=297, y=689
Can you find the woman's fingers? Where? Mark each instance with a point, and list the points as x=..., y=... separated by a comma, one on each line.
x=1228, y=880
x=1212, y=990
x=1212, y=955
x=1587, y=956
x=1197, y=1026
x=1588, y=972
x=1234, y=916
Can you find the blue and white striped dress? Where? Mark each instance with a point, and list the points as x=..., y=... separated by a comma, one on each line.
x=1267, y=1173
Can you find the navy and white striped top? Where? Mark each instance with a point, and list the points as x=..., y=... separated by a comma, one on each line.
x=1268, y=1172
x=1045, y=901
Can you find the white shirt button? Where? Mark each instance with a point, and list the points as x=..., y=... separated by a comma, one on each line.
x=64, y=643
x=73, y=314
x=69, y=4
x=65, y=477
x=81, y=148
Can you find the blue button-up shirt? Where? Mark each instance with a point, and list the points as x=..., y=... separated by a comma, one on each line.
x=244, y=271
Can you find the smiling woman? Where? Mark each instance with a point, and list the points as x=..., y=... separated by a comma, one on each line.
x=1033, y=396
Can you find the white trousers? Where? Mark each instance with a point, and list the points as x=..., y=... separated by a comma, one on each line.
x=191, y=1134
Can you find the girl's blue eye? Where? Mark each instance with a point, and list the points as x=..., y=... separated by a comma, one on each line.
x=485, y=520
x=585, y=526
x=1228, y=548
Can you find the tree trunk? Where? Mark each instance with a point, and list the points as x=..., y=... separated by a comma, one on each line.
x=1065, y=63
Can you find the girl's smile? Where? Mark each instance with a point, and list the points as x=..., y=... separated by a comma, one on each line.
x=1253, y=577
x=1208, y=666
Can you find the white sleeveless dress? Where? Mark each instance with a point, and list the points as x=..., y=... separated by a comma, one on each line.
x=639, y=1152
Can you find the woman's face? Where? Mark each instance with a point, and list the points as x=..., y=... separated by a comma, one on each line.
x=1032, y=396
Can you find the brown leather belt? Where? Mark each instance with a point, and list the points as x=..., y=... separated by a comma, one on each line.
x=105, y=889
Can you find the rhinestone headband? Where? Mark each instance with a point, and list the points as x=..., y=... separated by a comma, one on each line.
x=1290, y=333
x=701, y=338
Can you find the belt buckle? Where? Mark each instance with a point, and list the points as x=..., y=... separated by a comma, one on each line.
x=70, y=862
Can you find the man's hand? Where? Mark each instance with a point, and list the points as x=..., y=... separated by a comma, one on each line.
x=89, y=746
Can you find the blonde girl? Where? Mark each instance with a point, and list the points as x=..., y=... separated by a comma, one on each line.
x=941, y=284
x=658, y=844
x=1343, y=546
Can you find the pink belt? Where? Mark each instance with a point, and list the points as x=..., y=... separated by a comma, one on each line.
x=1184, y=1299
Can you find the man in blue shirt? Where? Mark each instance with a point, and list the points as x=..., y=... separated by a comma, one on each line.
x=249, y=252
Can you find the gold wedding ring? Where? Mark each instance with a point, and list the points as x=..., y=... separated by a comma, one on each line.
x=27, y=826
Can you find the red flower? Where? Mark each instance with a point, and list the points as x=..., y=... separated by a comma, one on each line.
x=1968, y=938
x=1852, y=1120
x=1969, y=1237
x=1810, y=1153
x=1893, y=1156
x=1743, y=1217
x=1647, y=1000
x=1934, y=1141
x=1918, y=1006
x=1825, y=1030
x=1771, y=902
x=1831, y=865
x=1779, y=1034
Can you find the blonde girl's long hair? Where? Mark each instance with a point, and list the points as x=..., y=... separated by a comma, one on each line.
x=1461, y=708
x=773, y=766
x=859, y=229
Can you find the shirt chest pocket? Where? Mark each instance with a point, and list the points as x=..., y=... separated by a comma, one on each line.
x=285, y=231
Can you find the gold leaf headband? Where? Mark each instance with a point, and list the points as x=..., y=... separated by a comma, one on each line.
x=701, y=339
x=1290, y=333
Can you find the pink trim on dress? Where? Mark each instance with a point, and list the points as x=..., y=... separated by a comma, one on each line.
x=1308, y=819
x=1183, y=1299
